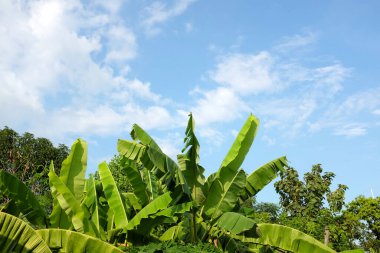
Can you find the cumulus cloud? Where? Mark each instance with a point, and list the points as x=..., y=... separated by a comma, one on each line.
x=121, y=44
x=57, y=71
x=218, y=105
x=247, y=73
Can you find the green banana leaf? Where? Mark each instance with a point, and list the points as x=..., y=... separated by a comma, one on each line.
x=68, y=203
x=353, y=251
x=189, y=163
x=73, y=172
x=133, y=200
x=153, y=207
x=135, y=152
x=171, y=211
x=221, y=197
x=91, y=201
x=173, y=233
x=74, y=167
x=288, y=239
x=113, y=196
x=60, y=240
x=151, y=184
x=137, y=183
x=17, y=236
x=23, y=199
x=138, y=133
x=241, y=145
x=236, y=223
x=262, y=176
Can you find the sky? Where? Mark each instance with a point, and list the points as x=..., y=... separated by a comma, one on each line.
x=309, y=70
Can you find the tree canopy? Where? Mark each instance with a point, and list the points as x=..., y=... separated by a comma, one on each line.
x=27, y=157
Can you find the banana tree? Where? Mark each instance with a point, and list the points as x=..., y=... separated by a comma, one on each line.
x=214, y=202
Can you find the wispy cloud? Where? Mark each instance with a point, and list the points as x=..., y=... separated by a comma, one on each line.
x=297, y=41
x=158, y=13
x=351, y=130
x=289, y=95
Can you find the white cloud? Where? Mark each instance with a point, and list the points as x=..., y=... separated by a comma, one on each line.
x=287, y=94
x=297, y=41
x=218, y=105
x=121, y=44
x=376, y=112
x=143, y=90
x=288, y=115
x=152, y=117
x=158, y=13
x=171, y=144
x=351, y=130
x=57, y=71
x=352, y=116
x=247, y=73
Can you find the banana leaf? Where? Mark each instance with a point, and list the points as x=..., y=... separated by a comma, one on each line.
x=353, y=251
x=133, y=200
x=23, y=199
x=73, y=172
x=91, y=201
x=288, y=239
x=137, y=183
x=135, y=152
x=74, y=167
x=173, y=233
x=171, y=211
x=138, y=133
x=262, y=176
x=60, y=240
x=153, y=207
x=223, y=197
x=113, y=196
x=241, y=145
x=237, y=223
x=152, y=187
x=68, y=203
x=17, y=236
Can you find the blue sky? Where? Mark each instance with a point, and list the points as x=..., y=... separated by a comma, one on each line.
x=309, y=70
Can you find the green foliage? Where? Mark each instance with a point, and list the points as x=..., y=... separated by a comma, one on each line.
x=288, y=239
x=68, y=188
x=61, y=241
x=28, y=158
x=164, y=200
x=22, y=199
x=365, y=212
x=17, y=236
x=172, y=247
x=265, y=212
x=305, y=208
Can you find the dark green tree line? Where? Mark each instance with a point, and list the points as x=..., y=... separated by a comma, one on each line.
x=28, y=158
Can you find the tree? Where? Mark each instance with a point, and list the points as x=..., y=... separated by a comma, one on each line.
x=28, y=158
x=365, y=214
x=304, y=206
x=266, y=212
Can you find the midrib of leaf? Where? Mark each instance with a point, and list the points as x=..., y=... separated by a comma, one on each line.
x=225, y=193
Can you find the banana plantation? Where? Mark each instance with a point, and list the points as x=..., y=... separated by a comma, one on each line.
x=166, y=201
